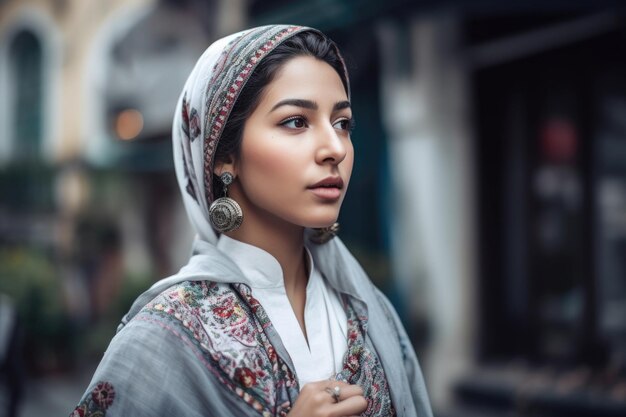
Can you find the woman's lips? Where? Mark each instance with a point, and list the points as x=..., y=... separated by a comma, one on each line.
x=328, y=189
x=326, y=193
x=329, y=182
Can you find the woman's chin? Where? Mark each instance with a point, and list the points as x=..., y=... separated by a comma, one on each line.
x=321, y=223
x=320, y=217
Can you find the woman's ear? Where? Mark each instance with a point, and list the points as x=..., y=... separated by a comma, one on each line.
x=225, y=165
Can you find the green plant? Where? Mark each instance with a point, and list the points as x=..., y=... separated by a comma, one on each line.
x=29, y=277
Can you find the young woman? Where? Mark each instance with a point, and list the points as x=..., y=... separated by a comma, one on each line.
x=272, y=315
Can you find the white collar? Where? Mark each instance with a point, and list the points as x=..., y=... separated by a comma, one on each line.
x=260, y=269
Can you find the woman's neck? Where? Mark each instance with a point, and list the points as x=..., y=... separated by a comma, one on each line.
x=283, y=241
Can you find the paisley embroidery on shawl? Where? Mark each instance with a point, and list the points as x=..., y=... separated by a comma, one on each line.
x=228, y=331
x=227, y=324
x=191, y=128
x=194, y=124
x=361, y=365
x=189, y=188
x=185, y=115
x=96, y=402
x=191, y=120
x=255, y=306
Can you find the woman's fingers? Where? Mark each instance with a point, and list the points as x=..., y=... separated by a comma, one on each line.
x=350, y=406
x=345, y=390
x=321, y=398
x=350, y=401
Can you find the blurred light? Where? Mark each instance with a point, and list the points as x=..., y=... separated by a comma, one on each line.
x=72, y=190
x=128, y=124
x=559, y=140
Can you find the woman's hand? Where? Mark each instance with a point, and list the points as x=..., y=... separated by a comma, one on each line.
x=316, y=399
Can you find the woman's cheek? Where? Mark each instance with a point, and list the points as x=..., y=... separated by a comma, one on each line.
x=272, y=181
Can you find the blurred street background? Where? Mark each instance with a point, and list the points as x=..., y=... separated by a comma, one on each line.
x=488, y=198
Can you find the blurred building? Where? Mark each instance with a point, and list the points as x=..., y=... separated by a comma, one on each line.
x=90, y=212
x=488, y=196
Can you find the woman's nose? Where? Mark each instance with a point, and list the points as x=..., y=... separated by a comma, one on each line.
x=331, y=147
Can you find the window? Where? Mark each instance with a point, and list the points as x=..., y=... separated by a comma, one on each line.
x=25, y=57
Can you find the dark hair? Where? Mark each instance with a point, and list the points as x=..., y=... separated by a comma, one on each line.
x=302, y=44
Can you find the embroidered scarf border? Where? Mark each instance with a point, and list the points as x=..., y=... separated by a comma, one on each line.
x=239, y=58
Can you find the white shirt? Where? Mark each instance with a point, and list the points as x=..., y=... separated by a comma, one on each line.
x=324, y=318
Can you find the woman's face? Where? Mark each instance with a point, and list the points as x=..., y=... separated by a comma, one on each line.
x=296, y=154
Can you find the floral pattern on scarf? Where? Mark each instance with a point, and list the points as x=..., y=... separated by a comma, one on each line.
x=231, y=338
x=96, y=402
x=227, y=325
x=362, y=367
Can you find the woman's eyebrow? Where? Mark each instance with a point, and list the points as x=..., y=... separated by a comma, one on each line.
x=308, y=104
x=341, y=105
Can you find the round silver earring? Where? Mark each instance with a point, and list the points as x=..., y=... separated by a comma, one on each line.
x=224, y=213
x=324, y=234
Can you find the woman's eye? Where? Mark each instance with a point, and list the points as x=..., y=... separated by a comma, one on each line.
x=344, y=124
x=294, y=123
